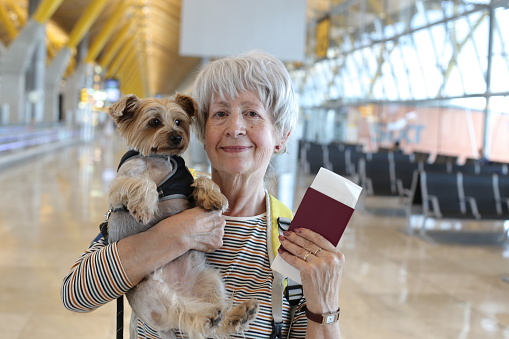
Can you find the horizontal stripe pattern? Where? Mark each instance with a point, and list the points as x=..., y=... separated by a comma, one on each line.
x=95, y=279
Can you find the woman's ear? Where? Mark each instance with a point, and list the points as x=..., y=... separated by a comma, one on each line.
x=281, y=145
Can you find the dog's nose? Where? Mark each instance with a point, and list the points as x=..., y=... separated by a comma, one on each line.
x=176, y=139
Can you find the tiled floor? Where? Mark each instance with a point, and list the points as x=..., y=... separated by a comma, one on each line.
x=395, y=285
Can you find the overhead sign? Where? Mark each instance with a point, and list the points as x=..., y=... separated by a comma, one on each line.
x=216, y=28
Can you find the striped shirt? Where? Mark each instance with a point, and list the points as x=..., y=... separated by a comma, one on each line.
x=98, y=277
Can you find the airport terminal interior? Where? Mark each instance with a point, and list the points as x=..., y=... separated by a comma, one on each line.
x=407, y=99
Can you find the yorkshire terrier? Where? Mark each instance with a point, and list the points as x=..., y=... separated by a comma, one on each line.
x=153, y=183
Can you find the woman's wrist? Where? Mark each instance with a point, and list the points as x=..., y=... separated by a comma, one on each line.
x=329, y=305
x=324, y=318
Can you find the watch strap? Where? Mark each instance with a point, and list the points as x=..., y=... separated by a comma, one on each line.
x=324, y=319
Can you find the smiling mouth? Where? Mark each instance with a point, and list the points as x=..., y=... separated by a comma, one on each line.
x=235, y=148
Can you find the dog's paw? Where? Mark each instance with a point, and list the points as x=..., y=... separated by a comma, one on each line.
x=238, y=318
x=144, y=209
x=215, y=201
x=208, y=195
x=143, y=216
x=215, y=318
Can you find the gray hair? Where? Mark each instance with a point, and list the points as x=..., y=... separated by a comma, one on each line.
x=255, y=71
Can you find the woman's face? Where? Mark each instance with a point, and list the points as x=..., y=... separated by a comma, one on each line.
x=239, y=135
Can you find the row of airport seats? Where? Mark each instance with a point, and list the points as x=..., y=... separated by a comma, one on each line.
x=442, y=188
x=463, y=195
x=384, y=172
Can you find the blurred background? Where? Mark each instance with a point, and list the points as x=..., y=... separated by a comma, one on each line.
x=408, y=99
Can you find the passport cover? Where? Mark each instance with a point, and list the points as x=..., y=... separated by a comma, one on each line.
x=322, y=214
x=326, y=208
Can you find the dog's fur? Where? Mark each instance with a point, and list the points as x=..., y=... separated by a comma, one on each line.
x=186, y=293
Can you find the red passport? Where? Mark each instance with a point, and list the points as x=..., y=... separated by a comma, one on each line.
x=323, y=215
x=326, y=208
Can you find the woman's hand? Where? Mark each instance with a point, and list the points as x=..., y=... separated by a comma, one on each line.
x=193, y=229
x=203, y=230
x=320, y=265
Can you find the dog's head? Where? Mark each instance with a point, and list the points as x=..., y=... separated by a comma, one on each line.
x=155, y=126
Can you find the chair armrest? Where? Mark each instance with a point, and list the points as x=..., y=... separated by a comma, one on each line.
x=473, y=205
x=505, y=200
x=435, y=205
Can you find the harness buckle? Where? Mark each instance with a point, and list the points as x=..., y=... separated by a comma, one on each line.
x=293, y=293
x=284, y=223
x=107, y=214
x=276, y=330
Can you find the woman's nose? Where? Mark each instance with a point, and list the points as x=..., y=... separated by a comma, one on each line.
x=236, y=126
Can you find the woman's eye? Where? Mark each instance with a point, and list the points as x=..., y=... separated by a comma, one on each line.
x=177, y=122
x=252, y=114
x=154, y=122
x=220, y=114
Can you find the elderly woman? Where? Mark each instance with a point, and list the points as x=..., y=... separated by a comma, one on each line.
x=246, y=112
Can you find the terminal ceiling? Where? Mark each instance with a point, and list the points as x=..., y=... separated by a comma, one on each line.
x=142, y=50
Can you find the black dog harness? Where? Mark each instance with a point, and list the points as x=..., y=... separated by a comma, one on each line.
x=177, y=184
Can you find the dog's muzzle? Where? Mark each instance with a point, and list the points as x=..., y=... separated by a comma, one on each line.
x=175, y=139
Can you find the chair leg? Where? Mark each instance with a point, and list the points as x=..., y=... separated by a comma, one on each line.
x=410, y=229
x=423, y=226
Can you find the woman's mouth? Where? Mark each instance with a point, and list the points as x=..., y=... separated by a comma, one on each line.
x=235, y=149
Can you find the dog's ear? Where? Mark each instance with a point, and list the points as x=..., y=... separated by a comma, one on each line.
x=124, y=108
x=187, y=103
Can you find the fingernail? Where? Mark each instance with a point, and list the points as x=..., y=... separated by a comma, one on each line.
x=281, y=238
x=287, y=233
x=280, y=250
x=298, y=230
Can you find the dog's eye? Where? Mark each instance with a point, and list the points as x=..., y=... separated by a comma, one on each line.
x=177, y=122
x=154, y=122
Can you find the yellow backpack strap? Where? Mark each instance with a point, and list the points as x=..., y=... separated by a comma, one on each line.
x=277, y=210
x=279, y=213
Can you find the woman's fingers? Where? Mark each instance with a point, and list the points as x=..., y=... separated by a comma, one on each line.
x=306, y=246
x=311, y=240
x=303, y=241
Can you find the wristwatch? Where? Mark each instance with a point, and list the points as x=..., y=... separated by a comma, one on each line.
x=324, y=319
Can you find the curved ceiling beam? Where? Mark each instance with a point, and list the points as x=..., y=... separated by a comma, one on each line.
x=6, y=20
x=121, y=57
x=85, y=21
x=109, y=27
x=21, y=14
x=128, y=74
x=45, y=10
x=171, y=9
x=133, y=85
x=120, y=38
x=127, y=66
x=132, y=78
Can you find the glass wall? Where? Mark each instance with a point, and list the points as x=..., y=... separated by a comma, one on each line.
x=433, y=75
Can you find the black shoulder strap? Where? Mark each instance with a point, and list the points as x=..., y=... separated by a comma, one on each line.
x=178, y=182
x=120, y=317
x=126, y=156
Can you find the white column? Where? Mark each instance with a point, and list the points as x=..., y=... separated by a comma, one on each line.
x=13, y=66
x=54, y=75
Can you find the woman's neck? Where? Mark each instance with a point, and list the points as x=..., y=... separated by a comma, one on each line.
x=246, y=196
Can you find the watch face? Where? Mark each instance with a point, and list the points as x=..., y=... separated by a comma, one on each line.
x=330, y=319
